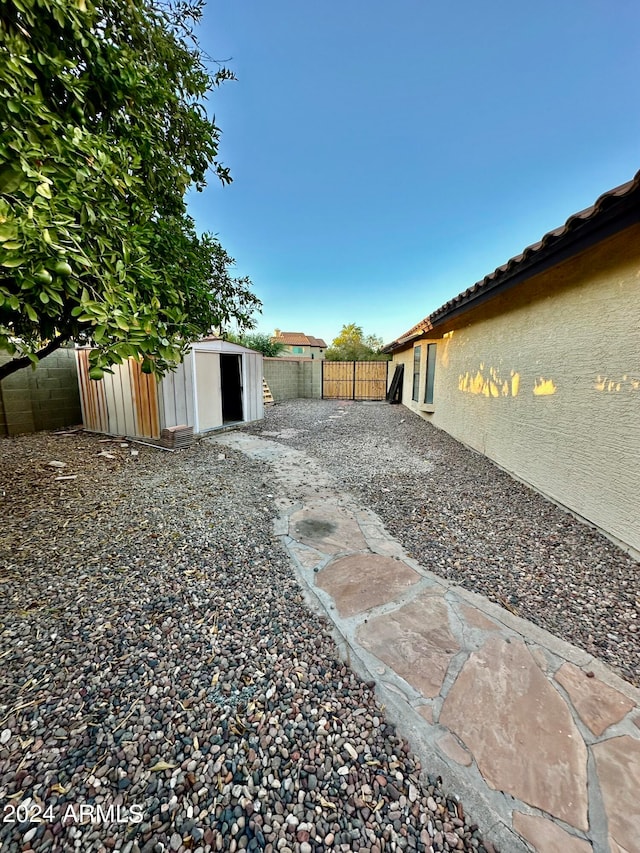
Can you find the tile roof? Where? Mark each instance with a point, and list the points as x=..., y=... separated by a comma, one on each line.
x=299, y=339
x=612, y=211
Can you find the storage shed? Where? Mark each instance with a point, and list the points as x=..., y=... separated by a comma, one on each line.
x=218, y=384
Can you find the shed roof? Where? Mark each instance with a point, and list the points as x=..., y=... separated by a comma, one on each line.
x=213, y=344
x=611, y=212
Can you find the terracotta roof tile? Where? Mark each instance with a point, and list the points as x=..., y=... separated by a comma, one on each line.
x=528, y=256
x=299, y=339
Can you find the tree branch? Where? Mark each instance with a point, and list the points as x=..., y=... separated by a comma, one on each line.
x=24, y=361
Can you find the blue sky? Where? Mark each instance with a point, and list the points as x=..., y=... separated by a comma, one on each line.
x=388, y=155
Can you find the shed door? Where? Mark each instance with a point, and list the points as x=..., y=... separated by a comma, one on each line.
x=208, y=389
x=231, y=381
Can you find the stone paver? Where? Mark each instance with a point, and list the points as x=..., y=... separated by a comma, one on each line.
x=415, y=641
x=307, y=557
x=547, y=837
x=598, y=705
x=618, y=763
x=476, y=619
x=498, y=705
x=426, y=712
x=327, y=524
x=454, y=750
x=363, y=581
x=503, y=709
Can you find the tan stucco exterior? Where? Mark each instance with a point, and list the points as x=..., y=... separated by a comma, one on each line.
x=545, y=380
x=302, y=351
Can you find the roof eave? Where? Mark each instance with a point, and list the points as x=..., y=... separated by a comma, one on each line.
x=404, y=341
x=558, y=249
x=613, y=212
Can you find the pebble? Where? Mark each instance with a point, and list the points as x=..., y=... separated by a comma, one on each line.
x=168, y=660
x=438, y=497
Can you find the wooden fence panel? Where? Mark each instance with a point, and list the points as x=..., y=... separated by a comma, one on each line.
x=371, y=380
x=354, y=380
x=337, y=380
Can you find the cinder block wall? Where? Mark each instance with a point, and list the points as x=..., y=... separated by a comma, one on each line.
x=44, y=398
x=292, y=379
x=311, y=379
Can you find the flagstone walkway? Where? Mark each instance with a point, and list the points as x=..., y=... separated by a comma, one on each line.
x=540, y=739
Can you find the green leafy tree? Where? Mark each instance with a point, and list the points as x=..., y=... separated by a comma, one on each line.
x=103, y=129
x=257, y=341
x=352, y=345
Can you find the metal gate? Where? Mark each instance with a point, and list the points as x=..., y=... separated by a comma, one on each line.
x=354, y=380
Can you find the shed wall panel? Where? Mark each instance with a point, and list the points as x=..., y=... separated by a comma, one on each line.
x=118, y=387
x=189, y=391
x=166, y=400
x=176, y=396
x=92, y=397
x=145, y=400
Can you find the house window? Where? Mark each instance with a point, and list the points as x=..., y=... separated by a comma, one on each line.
x=416, y=373
x=298, y=350
x=431, y=372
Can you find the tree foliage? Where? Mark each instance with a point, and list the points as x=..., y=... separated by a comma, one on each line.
x=257, y=341
x=353, y=345
x=103, y=129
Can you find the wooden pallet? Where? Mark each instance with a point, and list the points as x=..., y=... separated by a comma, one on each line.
x=394, y=394
x=267, y=396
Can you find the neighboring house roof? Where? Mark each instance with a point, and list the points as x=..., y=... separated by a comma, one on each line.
x=612, y=212
x=298, y=339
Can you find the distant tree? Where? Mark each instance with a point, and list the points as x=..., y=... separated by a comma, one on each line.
x=103, y=129
x=352, y=345
x=257, y=341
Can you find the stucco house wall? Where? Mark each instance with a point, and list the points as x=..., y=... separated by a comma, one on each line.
x=544, y=379
x=301, y=351
x=299, y=345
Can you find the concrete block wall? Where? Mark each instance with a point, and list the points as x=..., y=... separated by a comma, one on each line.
x=312, y=379
x=44, y=398
x=292, y=379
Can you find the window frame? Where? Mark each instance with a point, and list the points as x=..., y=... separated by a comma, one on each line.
x=417, y=362
x=432, y=355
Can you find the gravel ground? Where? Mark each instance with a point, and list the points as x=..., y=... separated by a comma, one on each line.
x=164, y=687
x=462, y=517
